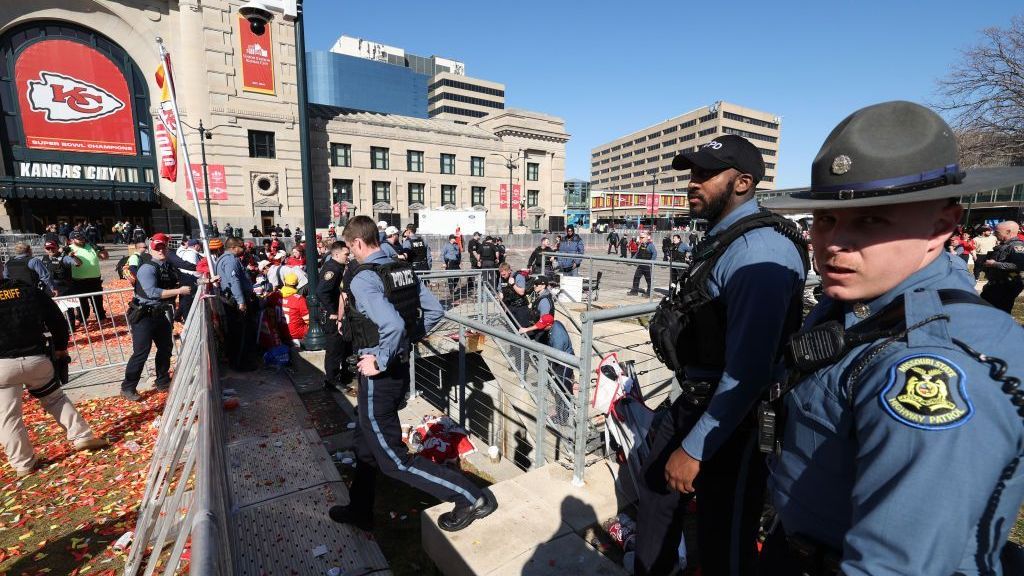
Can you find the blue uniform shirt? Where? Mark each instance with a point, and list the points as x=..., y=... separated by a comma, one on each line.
x=572, y=245
x=757, y=278
x=146, y=277
x=899, y=467
x=450, y=253
x=407, y=245
x=368, y=290
x=234, y=279
x=388, y=250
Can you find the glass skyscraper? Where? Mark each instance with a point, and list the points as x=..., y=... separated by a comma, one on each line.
x=351, y=82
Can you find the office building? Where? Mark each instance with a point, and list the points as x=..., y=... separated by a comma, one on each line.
x=391, y=167
x=364, y=84
x=463, y=99
x=577, y=203
x=640, y=163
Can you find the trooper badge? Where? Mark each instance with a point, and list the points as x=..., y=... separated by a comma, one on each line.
x=841, y=164
x=927, y=392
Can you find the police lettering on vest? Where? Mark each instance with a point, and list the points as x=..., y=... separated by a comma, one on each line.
x=401, y=289
x=418, y=253
x=689, y=326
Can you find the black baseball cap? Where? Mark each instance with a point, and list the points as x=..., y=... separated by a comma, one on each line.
x=726, y=151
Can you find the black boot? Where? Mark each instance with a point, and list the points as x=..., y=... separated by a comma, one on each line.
x=464, y=514
x=345, y=515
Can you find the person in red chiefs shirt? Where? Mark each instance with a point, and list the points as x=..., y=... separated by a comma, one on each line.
x=296, y=311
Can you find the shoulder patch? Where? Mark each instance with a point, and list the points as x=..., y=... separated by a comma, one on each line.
x=1018, y=247
x=329, y=274
x=928, y=392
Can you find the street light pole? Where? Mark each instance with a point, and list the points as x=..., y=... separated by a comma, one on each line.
x=206, y=174
x=315, y=338
x=510, y=164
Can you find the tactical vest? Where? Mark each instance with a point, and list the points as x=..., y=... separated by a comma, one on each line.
x=1002, y=253
x=418, y=253
x=60, y=275
x=401, y=289
x=540, y=335
x=23, y=320
x=689, y=325
x=166, y=277
x=644, y=252
x=511, y=298
x=488, y=255
x=675, y=255
x=17, y=269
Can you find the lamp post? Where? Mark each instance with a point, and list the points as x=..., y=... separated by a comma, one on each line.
x=522, y=207
x=510, y=163
x=204, y=135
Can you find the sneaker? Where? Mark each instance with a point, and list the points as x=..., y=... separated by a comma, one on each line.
x=463, y=515
x=131, y=395
x=91, y=444
x=345, y=515
x=632, y=293
x=33, y=466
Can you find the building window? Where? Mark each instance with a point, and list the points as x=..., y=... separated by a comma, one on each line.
x=261, y=144
x=381, y=192
x=447, y=163
x=703, y=133
x=341, y=155
x=476, y=166
x=447, y=193
x=532, y=198
x=415, y=193
x=379, y=158
x=532, y=171
x=342, y=190
x=414, y=160
x=479, y=195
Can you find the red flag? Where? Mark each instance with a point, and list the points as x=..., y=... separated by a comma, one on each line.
x=166, y=132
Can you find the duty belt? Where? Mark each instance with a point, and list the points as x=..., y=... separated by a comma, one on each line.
x=698, y=392
x=813, y=559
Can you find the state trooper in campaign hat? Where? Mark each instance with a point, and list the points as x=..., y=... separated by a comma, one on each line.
x=902, y=437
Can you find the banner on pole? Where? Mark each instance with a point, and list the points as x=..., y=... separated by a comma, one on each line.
x=166, y=133
x=73, y=98
x=257, y=59
x=218, y=182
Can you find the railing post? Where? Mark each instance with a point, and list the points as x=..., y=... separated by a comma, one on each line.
x=412, y=370
x=462, y=375
x=542, y=410
x=580, y=442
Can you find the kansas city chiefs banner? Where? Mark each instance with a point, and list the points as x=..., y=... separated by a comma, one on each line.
x=73, y=99
x=166, y=133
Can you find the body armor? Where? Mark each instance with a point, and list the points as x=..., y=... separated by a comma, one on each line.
x=17, y=269
x=401, y=289
x=510, y=297
x=488, y=255
x=644, y=252
x=418, y=253
x=1002, y=253
x=688, y=327
x=60, y=275
x=23, y=321
x=166, y=277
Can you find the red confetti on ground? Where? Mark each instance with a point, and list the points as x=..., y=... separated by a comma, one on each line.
x=65, y=518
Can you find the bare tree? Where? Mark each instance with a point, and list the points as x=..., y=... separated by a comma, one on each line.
x=983, y=96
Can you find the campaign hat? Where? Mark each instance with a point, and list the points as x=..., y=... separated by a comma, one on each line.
x=890, y=153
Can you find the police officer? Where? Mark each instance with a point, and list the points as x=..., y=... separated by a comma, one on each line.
x=328, y=292
x=513, y=293
x=417, y=251
x=473, y=247
x=59, y=266
x=536, y=259
x=26, y=362
x=678, y=251
x=499, y=245
x=725, y=327
x=543, y=328
x=240, y=310
x=572, y=244
x=488, y=260
x=386, y=309
x=646, y=251
x=151, y=317
x=28, y=269
x=902, y=441
x=1004, y=268
x=452, y=258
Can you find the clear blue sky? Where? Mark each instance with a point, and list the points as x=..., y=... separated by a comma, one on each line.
x=609, y=68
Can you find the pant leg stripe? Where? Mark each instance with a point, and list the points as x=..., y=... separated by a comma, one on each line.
x=394, y=457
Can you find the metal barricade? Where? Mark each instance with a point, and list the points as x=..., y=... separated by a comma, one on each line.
x=96, y=344
x=7, y=242
x=186, y=494
x=662, y=274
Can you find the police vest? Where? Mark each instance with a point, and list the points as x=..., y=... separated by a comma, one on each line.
x=418, y=253
x=401, y=289
x=1004, y=253
x=166, y=277
x=60, y=275
x=510, y=297
x=689, y=325
x=488, y=255
x=17, y=269
x=644, y=252
x=675, y=255
x=540, y=335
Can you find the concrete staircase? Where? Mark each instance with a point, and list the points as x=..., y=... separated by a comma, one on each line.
x=537, y=529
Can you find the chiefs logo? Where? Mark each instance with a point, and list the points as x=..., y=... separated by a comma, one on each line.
x=66, y=99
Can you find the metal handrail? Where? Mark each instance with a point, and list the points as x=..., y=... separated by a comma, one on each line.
x=606, y=258
x=515, y=340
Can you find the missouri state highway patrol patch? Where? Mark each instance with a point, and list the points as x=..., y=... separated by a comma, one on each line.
x=927, y=392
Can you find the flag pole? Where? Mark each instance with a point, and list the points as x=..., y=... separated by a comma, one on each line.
x=165, y=59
